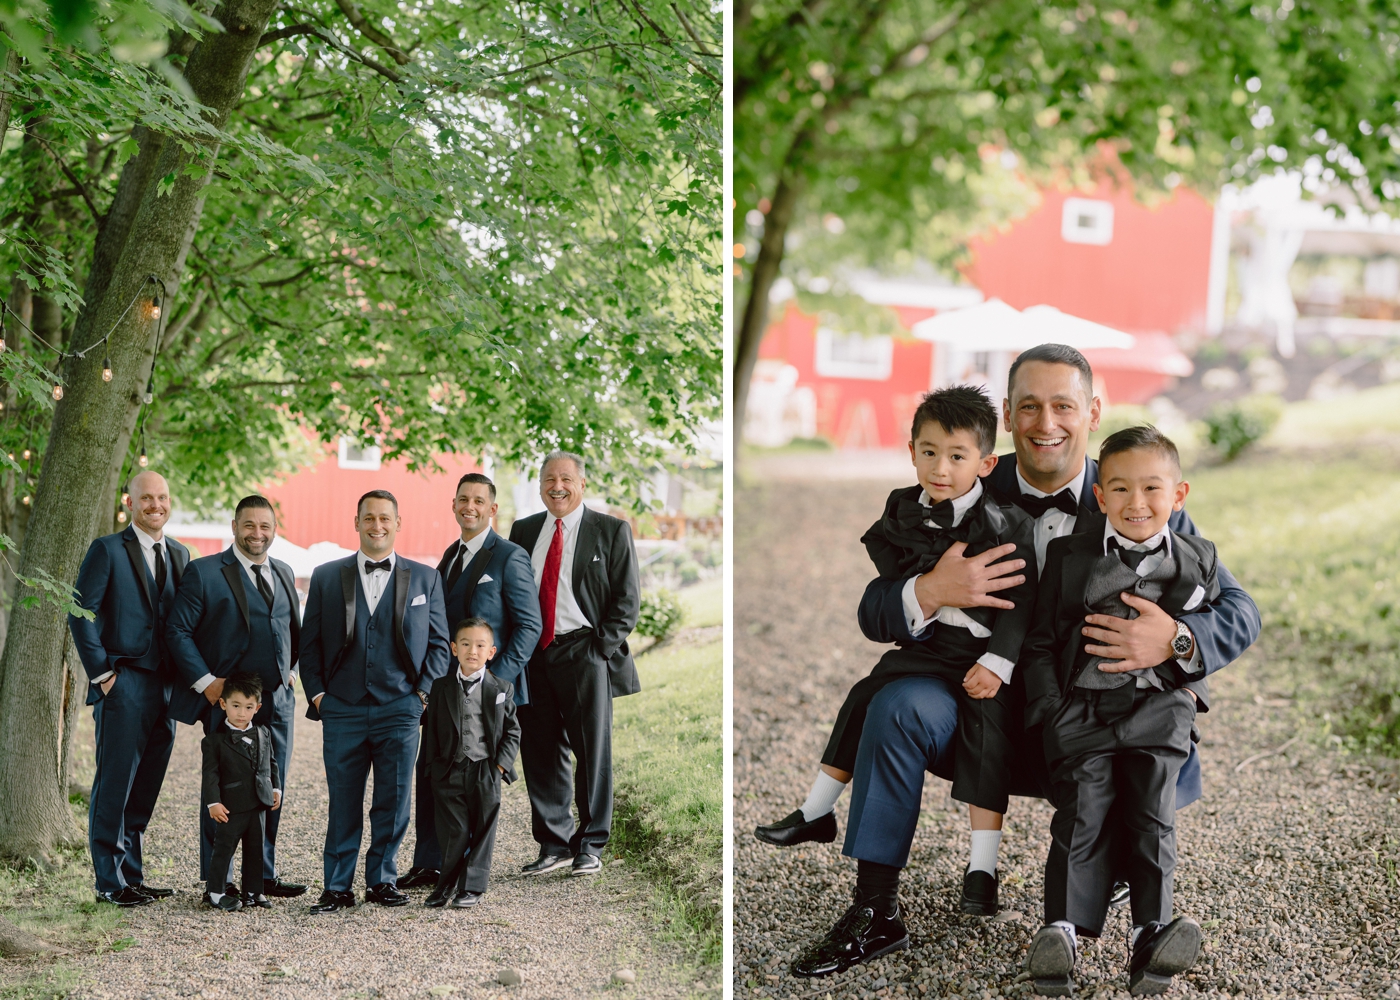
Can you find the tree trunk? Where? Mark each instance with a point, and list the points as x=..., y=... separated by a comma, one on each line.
x=9, y=66
x=75, y=685
x=90, y=433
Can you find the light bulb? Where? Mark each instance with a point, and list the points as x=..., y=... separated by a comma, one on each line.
x=2, y=345
x=142, y=461
x=126, y=498
x=121, y=517
x=58, y=392
x=26, y=454
x=106, y=369
x=155, y=309
x=26, y=501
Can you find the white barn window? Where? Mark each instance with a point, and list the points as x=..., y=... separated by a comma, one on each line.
x=356, y=455
x=853, y=355
x=1087, y=220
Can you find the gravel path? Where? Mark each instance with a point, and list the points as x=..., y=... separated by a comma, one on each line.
x=565, y=935
x=1289, y=861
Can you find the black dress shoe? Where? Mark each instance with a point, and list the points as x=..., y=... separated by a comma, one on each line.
x=1050, y=962
x=125, y=897
x=420, y=878
x=1120, y=894
x=793, y=829
x=284, y=890
x=860, y=935
x=251, y=900
x=465, y=900
x=152, y=891
x=332, y=902
x=545, y=863
x=438, y=897
x=1160, y=952
x=979, y=896
x=587, y=864
x=230, y=903
x=386, y=894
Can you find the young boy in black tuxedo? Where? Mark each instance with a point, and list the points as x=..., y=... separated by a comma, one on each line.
x=975, y=650
x=470, y=737
x=1115, y=740
x=241, y=785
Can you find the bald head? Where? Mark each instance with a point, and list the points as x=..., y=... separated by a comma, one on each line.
x=148, y=499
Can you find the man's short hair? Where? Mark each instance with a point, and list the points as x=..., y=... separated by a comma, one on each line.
x=959, y=408
x=1054, y=354
x=556, y=455
x=473, y=622
x=255, y=502
x=477, y=477
x=1143, y=438
x=242, y=682
x=377, y=495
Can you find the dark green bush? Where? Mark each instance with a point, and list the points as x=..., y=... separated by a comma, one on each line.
x=660, y=616
x=1234, y=426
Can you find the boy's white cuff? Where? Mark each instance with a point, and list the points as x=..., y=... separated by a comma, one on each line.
x=913, y=614
x=998, y=665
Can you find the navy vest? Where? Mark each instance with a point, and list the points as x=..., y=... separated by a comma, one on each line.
x=156, y=656
x=269, y=653
x=370, y=668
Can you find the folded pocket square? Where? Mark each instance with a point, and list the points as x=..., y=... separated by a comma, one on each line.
x=420, y=599
x=247, y=741
x=500, y=697
x=595, y=558
x=1195, y=598
x=485, y=578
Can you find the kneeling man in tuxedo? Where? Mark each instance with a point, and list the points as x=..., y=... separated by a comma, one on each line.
x=374, y=640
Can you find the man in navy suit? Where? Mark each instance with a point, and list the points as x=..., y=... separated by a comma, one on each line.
x=239, y=612
x=1050, y=410
x=374, y=640
x=128, y=581
x=483, y=576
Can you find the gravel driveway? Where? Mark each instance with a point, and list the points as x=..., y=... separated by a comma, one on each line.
x=1289, y=861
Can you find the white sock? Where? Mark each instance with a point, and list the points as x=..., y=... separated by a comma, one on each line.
x=214, y=897
x=985, y=844
x=1069, y=928
x=822, y=798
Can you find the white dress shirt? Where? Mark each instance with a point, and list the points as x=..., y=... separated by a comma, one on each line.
x=148, y=552
x=247, y=565
x=568, y=616
x=1054, y=523
x=471, y=678
x=374, y=583
x=1148, y=564
x=469, y=549
x=957, y=617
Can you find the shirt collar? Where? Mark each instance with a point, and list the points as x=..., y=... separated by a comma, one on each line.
x=961, y=505
x=1075, y=485
x=247, y=563
x=570, y=520
x=361, y=559
x=1128, y=543
x=147, y=542
x=469, y=678
x=234, y=730
x=474, y=546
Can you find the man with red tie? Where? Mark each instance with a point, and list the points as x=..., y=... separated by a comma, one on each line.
x=586, y=570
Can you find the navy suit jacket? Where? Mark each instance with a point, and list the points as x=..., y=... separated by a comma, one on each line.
x=116, y=586
x=499, y=586
x=420, y=630
x=208, y=630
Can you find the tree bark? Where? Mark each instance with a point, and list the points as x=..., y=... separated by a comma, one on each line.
x=90, y=433
x=9, y=66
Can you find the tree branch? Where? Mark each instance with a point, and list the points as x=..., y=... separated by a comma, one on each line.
x=362, y=24
x=72, y=177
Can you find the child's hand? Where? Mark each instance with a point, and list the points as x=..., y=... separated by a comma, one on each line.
x=218, y=812
x=276, y=799
x=981, y=682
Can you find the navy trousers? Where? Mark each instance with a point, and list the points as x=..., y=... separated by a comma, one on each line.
x=277, y=714
x=356, y=739
x=134, y=738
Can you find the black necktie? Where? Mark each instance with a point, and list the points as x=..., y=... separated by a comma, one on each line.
x=1132, y=558
x=1036, y=506
x=263, y=588
x=458, y=564
x=383, y=564
x=160, y=569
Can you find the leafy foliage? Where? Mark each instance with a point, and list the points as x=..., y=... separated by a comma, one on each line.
x=660, y=615
x=1233, y=426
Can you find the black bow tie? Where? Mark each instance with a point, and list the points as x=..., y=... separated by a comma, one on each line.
x=1132, y=558
x=383, y=564
x=1036, y=506
x=941, y=513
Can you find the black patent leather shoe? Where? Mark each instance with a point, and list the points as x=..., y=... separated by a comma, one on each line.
x=229, y=903
x=438, y=897
x=546, y=863
x=859, y=936
x=465, y=900
x=587, y=864
x=253, y=901
x=420, y=878
x=979, y=895
x=386, y=894
x=1050, y=962
x=1120, y=895
x=283, y=890
x=152, y=891
x=1160, y=952
x=793, y=829
x=333, y=902
x=125, y=897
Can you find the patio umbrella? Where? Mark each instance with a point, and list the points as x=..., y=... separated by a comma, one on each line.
x=995, y=326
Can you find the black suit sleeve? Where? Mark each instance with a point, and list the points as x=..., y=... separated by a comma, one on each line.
x=272, y=757
x=522, y=607
x=881, y=612
x=179, y=629
x=439, y=653
x=624, y=589
x=91, y=585
x=1011, y=625
x=209, y=751
x=1041, y=651
x=433, y=721
x=1230, y=624
x=509, y=745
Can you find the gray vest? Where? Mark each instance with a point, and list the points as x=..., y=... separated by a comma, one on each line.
x=473, y=745
x=370, y=668
x=269, y=653
x=1109, y=578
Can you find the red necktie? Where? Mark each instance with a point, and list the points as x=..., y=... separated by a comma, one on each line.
x=549, y=583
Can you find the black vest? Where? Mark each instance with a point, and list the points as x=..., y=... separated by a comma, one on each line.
x=370, y=669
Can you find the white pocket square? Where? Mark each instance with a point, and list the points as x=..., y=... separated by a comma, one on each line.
x=500, y=697
x=485, y=578
x=420, y=599
x=595, y=558
x=247, y=741
x=1196, y=596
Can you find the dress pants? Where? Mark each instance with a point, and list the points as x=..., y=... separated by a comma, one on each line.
x=570, y=709
x=134, y=738
x=468, y=801
x=247, y=827
x=357, y=738
x=277, y=714
x=1113, y=784
x=427, y=848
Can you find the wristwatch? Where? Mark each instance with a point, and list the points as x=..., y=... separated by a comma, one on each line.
x=1184, y=641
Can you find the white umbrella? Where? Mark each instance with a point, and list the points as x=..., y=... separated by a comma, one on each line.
x=1050, y=326
x=995, y=326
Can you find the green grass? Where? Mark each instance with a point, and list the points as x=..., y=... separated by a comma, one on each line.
x=668, y=762
x=703, y=604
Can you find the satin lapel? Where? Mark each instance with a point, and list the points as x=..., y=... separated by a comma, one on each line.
x=1087, y=502
x=233, y=573
x=1189, y=574
x=138, y=566
x=448, y=558
x=490, y=711
x=348, y=572
x=179, y=559
x=474, y=570
x=454, y=705
x=583, y=551
x=403, y=576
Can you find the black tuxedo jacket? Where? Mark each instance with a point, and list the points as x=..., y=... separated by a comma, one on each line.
x=1054, y=649
x=442, y=724
x=239, y=775
x=606, y=586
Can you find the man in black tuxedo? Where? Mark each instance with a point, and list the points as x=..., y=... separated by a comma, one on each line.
x=239, y=612
x=374, y=640
x=586, y=570
x=483, y=576
x=128, y=581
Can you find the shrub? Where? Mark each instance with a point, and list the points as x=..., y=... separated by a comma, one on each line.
x=660, y=615
x=1234, y=426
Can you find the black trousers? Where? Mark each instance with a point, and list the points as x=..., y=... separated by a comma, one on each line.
x=1113, y=785
x=468, y=802
x=427, y=847
x=570, y=710
x=245, y=827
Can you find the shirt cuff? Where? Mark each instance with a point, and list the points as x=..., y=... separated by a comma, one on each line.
x=998, y=665
x=913, y=614
x=1193, y=666
x=203, y=683
x=102, y=677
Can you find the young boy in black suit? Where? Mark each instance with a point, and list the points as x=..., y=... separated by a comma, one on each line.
x=1115, y=740
x=240, y=785
x=470, y=738
x=975, y=650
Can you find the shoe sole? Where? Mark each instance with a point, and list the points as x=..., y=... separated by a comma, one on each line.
x=545, y=871
x=579, y=872
x=1175, y=953
x=391, y=903
x=768, y=838
x=975, y=909
x=1050, y=966
x=901, y=945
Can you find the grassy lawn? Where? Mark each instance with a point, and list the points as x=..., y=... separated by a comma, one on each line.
x=703, y=604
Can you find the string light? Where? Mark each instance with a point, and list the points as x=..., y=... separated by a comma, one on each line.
x=106, y=369
x=26, y=454
x=150, y=392
x=126, y=498
x=57, y=392
x=121, y=517
x=26, y=501
x=143, y=461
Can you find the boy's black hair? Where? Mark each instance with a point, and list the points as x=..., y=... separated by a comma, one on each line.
x=477, y=477
x=377, y=495
x=1054, y=354
x=473, y=622
x=959, y=408
x=242, y=682
x=1143, y=438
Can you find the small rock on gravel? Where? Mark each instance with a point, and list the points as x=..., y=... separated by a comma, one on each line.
x=624, y=976
x=509, y=977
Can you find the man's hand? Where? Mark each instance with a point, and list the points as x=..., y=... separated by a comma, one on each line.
x=214, y=690
x=981, y=682
x=1141, y=643
x=276, y=799
x=956, y=582
x=500, y=768
x=106, y=685
x=218, y=812
x=317, y=700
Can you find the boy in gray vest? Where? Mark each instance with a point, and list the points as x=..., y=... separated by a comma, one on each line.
x=470, y=738
x=1115, y=740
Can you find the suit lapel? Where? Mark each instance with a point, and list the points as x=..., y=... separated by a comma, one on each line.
x=233, y=573
x=530, y=529
x=474, y=570
x=490, y=711
x=348, y=572
x=138, y=565
x=448, y=558
x=583, y=551
x=179, y=559
x=1189, y=574
x=402, y=577
x=248, y=750
x=1088, y=503
x=454, y=705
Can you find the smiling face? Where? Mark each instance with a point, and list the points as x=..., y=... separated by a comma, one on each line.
x=1050, y=413
x=253, y=531
x=240, y=709
x=1138, y=490
x=561, y=487
x=948, y=462
x=473, y=508
x=377, y=523
x=149, y=502
x=473, y=648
